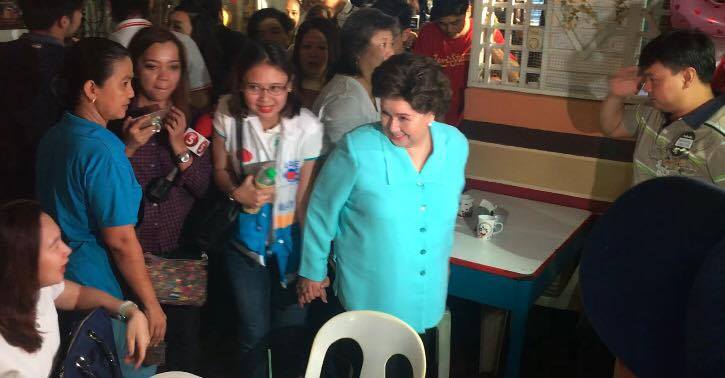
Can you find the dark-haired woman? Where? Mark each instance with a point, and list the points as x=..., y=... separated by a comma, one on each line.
x=319, y=11
x=270, y=25
x=86, y=183
x=400, y=180
x=261, y=122
x=159, y=79
x=347, y=100
x=315, y=53
x=190, y=19
x=33, y=259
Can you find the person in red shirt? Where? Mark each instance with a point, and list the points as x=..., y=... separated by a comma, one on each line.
x=447, y=39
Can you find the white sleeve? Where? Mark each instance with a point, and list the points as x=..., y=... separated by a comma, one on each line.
x=221, y=116
x=57, y=289
x=311, y=143
x=116, y=37
x=198, y=75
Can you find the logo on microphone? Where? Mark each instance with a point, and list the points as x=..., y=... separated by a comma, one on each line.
x=195, y=142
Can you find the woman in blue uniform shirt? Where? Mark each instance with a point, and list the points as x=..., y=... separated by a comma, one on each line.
x=388, y=196
x=86, y=184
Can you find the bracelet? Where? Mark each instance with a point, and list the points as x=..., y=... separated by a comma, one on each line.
x=230, y=196
x=125, y=310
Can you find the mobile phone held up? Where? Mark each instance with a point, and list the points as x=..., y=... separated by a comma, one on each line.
x=154, y=113
x=415, y=22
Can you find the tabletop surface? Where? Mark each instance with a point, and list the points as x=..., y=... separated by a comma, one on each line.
x=532, y=232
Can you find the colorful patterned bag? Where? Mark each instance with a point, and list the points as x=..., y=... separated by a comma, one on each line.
x=178, y=281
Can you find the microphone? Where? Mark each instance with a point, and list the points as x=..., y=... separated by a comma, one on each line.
x=195, y=142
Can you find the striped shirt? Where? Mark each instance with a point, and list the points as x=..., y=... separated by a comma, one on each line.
x=692, y=146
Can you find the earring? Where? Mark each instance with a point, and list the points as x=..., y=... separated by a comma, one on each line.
x=93, y=101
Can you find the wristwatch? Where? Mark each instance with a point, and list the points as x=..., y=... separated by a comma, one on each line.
x=183, y=158
x=125, y=310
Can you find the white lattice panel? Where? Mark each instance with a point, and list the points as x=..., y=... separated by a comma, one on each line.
x=540, y=55
x=600, y=63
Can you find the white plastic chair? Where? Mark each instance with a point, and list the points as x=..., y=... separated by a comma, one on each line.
x=175, y=374
x=379, y=335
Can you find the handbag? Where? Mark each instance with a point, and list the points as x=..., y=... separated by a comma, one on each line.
x=178, y=281
x=92, y=349
x=208, y=222
x=183, y=281
x=211, y=217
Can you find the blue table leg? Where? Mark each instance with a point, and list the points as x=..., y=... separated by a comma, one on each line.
x=515, y=295
x=516, y=342
x=501, y=292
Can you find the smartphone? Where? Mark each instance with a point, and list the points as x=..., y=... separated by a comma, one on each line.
x=415, y=22
x=155, y=115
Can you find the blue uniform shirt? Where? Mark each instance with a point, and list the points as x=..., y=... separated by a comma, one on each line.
x=86, y=183
x=392, y=226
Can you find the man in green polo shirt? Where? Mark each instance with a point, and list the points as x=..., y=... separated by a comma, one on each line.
x=680, y=131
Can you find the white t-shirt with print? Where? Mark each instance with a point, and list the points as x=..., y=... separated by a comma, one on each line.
x=16, y=362
x=259, y=145
x=262, y=142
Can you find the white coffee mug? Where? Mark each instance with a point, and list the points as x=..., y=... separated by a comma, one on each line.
x=465, y=207
x=487, y=206
x=488, y=226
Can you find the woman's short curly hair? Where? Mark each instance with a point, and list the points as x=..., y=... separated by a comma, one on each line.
x=417, y=79
x=356, y=34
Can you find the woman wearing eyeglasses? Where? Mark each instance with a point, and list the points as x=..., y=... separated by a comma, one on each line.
x=262, y=123
x=347, y=100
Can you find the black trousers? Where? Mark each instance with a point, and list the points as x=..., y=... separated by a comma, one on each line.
x=182, y=338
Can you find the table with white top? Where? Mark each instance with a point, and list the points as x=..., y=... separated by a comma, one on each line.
x=511, y=270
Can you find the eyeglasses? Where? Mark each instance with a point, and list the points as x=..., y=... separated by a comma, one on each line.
x=256, y=89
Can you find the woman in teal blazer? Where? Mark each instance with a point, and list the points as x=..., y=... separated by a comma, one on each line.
x=388, y=196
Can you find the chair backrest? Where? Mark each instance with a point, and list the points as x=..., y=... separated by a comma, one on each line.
x=175, y=374
x=379, y=335
x=651, y=278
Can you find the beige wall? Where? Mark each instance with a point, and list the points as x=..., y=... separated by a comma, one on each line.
x=572, y=175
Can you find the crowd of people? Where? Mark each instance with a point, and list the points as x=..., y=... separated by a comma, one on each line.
x=353, y=110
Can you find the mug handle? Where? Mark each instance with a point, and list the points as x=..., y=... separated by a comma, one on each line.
x=497, y=227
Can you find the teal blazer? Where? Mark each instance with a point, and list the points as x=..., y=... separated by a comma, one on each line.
x=392, y=226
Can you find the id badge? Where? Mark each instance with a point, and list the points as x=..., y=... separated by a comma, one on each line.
x=683, y=144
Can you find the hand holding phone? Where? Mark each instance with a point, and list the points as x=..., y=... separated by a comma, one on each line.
x=154, y=113
x=136, y=133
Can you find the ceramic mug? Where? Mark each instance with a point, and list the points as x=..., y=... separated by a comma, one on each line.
x=465, y=207
x=488, y=226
